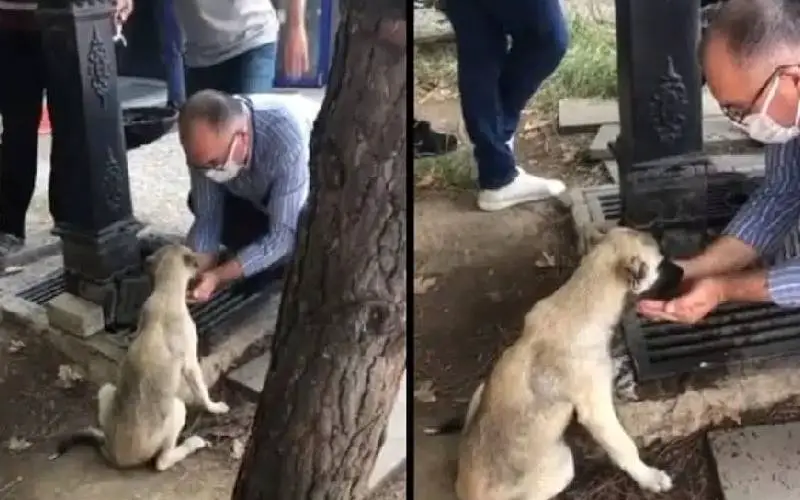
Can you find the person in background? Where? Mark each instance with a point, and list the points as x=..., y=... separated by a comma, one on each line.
x=21, y=106
x=172, y=54
x=230, y=45
x=497, y=78
x=750, y=60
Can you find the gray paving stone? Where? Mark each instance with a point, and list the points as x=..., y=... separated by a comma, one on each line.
x=718, y=135
x=75, y=315
x=747, y=163
x=585, y=115
x=250, y=376
x=759, y=462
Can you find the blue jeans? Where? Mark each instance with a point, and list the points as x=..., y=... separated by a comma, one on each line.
x=495, y=81
x=252, y=72
x=172, y=53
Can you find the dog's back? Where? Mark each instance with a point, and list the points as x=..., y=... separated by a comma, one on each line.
x=151, y=372
x=527, y=402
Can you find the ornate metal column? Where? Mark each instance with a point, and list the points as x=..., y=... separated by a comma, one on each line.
x=90, y=194
x=663, y=172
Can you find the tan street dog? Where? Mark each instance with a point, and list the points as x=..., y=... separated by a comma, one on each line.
x=141, y=417
x=512, y=445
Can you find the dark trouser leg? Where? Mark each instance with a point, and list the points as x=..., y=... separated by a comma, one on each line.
x=21, y=94
x=172, y=54
x=540, y=36
x=481, y=47
x=249, y=73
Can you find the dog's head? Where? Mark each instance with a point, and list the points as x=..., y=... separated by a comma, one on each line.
x=176, y=260
x=639, y=262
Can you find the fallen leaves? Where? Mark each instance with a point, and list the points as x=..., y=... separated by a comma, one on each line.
x=237, y=448
x=424, y=393
x=16, y=346
x=68, y=376
x=16, y=444
x=423, y=284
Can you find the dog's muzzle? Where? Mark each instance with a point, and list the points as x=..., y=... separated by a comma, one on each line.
x=666, y=286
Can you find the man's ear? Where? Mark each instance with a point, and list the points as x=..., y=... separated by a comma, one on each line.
x=633, y=271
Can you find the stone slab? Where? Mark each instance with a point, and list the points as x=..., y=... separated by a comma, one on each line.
x=37, y=246
x=432, y=26
x=75, y=315
x=759, y=462
x=747, y=163
x=395, y=448
x=250, y=376
x=585, y=115
x=718, y=136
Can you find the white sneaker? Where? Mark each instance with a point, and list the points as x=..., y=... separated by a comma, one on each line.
x=524, y=188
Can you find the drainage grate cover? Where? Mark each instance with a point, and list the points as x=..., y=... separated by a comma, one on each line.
x=224, y=307
x=729, y=336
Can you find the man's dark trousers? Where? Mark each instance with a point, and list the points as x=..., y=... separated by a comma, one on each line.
x=495, y=81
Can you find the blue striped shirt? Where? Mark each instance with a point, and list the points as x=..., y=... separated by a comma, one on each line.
x=769, y=216
x=278, y=166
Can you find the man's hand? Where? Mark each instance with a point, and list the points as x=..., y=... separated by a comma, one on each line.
x=122, y=11
x=700, y=298
x=205, y=286
x=295, y=52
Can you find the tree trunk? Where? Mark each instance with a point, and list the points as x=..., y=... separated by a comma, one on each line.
x=340, y=347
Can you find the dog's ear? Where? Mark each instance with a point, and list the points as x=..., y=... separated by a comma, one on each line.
x=633, y=271
x=150, y=263
x=191, y=261
x=594, y=234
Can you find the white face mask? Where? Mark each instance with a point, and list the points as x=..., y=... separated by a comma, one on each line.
x=762, y=128
x=227, y=171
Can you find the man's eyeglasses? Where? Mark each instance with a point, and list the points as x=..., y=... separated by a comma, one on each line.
x=737, y=115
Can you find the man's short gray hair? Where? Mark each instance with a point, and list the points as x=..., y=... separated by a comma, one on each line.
x=757, y=28
x=216, y=108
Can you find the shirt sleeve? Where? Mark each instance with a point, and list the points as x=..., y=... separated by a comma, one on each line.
x=207, y=199
x=287, y=198
x=770, y=214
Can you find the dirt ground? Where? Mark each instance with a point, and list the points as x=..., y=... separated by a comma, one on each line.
x=475, y=276
x=43, y=397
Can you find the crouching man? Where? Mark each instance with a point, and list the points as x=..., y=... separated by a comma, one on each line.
x=249, y=174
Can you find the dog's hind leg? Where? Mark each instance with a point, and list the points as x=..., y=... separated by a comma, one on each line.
x=553, y=474
x=596, y=413
x=171, y=453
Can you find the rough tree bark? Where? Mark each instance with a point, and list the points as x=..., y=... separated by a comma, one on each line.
x=339, y=351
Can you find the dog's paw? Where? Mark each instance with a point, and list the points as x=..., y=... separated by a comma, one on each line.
x=196, y=443
x=219, y=407
x=655, y=480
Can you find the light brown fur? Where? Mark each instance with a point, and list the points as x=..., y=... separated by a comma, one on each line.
x=141, y=418
x=512, y=445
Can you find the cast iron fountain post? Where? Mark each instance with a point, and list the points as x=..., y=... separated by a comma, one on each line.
x=90, y=199
x=660, y=147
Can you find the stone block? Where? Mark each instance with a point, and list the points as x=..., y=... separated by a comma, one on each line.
x=758, y=462
x=250, y=376
x=718, y=136
x=585, y=115
x=75, y=315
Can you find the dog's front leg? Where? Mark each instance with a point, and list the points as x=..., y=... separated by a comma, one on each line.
x=193, y=376
x=596, y=412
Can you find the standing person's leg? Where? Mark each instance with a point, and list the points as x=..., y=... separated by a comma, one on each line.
x=172, y=53
x=482, y=47
x=540, y=37
x=21, y=101
x=252, y=72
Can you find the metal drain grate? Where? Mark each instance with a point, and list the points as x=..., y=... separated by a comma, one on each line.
x=726, y=193
x=224, y=307
x=730, y=335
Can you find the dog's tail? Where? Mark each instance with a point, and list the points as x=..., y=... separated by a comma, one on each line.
x=455, y=424
x=89, y=436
